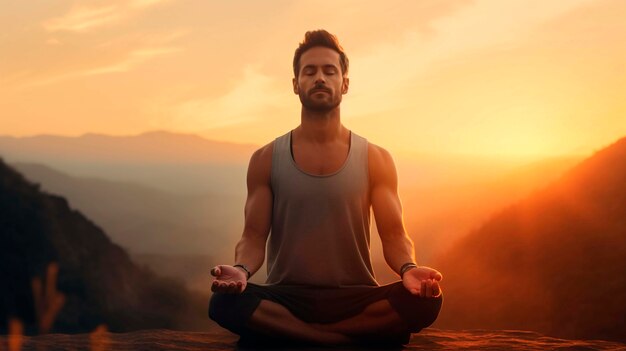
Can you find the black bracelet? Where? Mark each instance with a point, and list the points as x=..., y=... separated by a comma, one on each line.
x=244, y=268
x=405, y=267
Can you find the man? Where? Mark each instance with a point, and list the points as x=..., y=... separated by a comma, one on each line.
x=313, y=188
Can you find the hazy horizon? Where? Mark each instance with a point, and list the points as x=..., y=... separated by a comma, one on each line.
x=517, y=158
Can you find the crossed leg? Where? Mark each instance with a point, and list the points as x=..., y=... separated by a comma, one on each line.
x=257, y=313
x=271, y=318
x=378, y=318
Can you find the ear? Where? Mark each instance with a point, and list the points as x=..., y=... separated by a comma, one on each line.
x=294, y=81
x=345, y=84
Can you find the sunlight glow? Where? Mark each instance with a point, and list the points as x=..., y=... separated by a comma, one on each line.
x=461, y=79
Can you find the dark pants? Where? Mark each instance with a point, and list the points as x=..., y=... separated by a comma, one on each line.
x=322, y=305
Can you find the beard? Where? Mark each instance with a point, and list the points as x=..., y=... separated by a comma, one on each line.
x=319, y=105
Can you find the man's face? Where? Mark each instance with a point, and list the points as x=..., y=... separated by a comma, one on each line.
x=320, y=83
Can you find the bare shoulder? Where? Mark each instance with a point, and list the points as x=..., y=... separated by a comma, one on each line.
x=260, y=165
x=264, y=154
x=378, y=154
x=381, y=165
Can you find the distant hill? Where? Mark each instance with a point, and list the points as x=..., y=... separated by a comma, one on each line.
x=153, y=147
x=554, y=262
x=177, y=163
x=100, y=282
x=438, y=214
x=190, y=164
x=175, y=205
x=144, y=219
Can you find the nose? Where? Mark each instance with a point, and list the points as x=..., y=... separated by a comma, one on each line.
x=319, y=77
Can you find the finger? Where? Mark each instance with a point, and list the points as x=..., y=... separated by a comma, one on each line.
x=436, y=275
x=215, y=286
x=429, y=288
x=239, y=287
x=226, y=288
x=231, y=287
x=423, y=288
x=216, y=271
x=436, y=289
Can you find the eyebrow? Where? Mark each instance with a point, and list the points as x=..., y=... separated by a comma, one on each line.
x=323, y=66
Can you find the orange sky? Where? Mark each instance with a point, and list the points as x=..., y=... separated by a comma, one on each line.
x=478, y=77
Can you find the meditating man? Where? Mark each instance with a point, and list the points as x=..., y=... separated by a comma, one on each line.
x=313, y=189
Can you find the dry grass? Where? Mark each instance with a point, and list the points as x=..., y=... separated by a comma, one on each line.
x=48, y=303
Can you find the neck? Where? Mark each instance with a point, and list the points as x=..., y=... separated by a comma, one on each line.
x=320, y=127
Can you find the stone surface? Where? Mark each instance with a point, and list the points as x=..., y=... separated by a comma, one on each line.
x=429, y=339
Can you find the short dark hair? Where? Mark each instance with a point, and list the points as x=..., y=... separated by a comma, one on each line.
x=323, y=38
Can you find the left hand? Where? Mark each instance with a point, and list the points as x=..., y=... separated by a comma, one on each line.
x=228, y=279
x=422, y=281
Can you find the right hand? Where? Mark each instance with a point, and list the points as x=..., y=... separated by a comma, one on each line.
x=422, y=281
x=228, y=279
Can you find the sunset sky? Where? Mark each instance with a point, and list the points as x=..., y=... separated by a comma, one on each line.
x=510, y=78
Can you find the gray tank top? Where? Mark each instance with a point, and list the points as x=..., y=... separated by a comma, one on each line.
x=320, y=232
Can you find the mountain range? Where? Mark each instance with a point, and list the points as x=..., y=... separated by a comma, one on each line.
x=163, y=201
x=157, y=159
x=553, y=262
x=551, y=259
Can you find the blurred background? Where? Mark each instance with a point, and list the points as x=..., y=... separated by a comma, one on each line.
x=126, y=127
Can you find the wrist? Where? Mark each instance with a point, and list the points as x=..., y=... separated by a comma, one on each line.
x=407, y=267
x=243, y=268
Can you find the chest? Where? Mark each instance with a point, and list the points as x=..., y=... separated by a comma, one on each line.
x=320, y=160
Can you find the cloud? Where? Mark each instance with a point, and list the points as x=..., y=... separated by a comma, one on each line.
x=133, y=59
x=53, y=41
x=485, y=24
x=84, y=18
x=124, y=53
x=144, y=3
x=255, y=94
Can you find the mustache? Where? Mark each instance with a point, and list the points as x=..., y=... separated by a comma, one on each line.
x=319, y=87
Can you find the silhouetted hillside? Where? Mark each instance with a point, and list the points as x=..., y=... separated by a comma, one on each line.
x=99, y=281
x=146, y=220
x=553, y=263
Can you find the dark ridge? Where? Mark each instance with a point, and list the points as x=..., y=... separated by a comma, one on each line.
x=100, y=282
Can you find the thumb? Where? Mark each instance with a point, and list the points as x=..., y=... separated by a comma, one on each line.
x=216, y=271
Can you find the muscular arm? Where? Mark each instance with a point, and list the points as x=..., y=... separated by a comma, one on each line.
x=250, y=250
x=397, y=245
